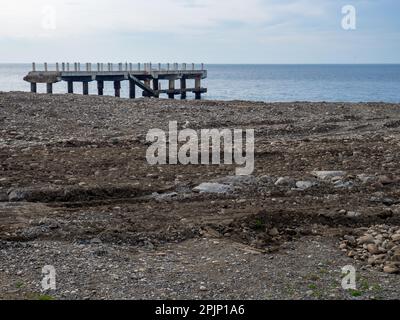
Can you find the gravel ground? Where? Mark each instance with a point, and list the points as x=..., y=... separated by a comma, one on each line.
x=77, y=193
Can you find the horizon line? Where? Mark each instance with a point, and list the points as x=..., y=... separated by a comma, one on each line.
x=232, y=63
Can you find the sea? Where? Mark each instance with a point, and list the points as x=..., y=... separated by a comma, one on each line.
x=270, y=83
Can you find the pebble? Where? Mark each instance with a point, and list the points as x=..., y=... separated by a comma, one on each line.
x=304, y=185
x=285, y=181
x=373, y=249
x=390, y=269
x=366, y=239
x=324, y=175
x=273, y=232
x=396, y=237
x=213, y=188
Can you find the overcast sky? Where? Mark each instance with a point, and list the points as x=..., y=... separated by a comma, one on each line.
x=209, y=31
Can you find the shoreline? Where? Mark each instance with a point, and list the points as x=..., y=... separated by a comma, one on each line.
x=204, y=98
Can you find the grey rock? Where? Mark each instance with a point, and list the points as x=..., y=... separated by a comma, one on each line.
x=324, y=175
x=165, y=196
x=213, y=188
x=273, y=232
x=365, y=179
x=285, y=181
x=367, y=239
x=304, y=185
x=95, y=241
x=16, y=195
x=343, y=184
x=4, y=197
x=236, y=180
x=352, y=214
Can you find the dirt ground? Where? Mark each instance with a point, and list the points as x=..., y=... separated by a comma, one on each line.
x=76, y=192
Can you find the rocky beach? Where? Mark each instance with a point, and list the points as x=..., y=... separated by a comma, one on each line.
x=77, y=193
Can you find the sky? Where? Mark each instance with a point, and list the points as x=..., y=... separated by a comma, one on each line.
x=208, y=31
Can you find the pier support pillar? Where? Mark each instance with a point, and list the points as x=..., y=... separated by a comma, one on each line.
x=70, y=87
x=85, y=86
x=183, y=88
x=171, y=87
x=33, y=87
x=117, y=88
x=49, y=87
x=155, y=87
x=132, y=89
x=100, y=87
x=147, y=83
x=198, y=88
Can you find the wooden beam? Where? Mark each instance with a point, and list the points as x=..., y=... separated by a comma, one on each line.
x=33, y=87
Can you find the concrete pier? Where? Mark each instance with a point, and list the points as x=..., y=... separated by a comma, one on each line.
x=147, y=77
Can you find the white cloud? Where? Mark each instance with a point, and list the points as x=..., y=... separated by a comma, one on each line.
x=24, y=18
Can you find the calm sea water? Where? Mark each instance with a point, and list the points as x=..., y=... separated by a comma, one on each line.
x=352, y=83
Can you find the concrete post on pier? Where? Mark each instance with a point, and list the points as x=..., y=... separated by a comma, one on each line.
x=33, y=87
x=100, y=87
x=183, y=88
x=171, y=87
x=49, y=87
x=156, y=87
x=197, y=86
x=117, y=88
x=70, y=87
x=132, y=89
x=85, y=86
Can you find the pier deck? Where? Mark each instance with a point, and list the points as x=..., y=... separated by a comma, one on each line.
x=145, y=76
